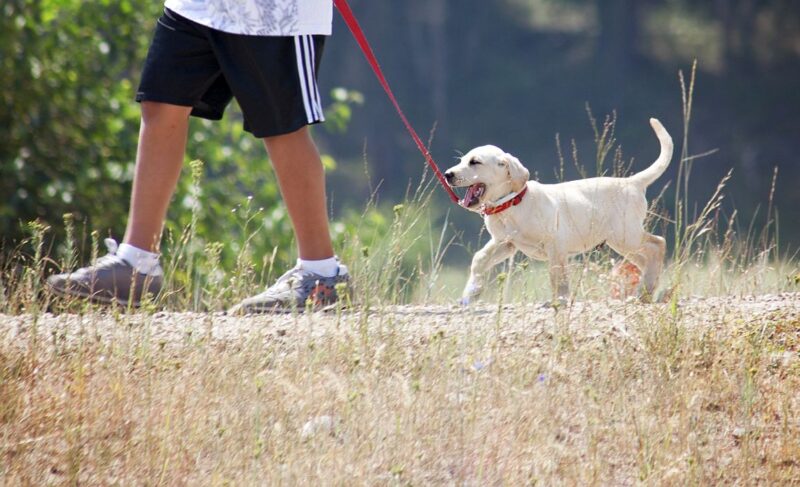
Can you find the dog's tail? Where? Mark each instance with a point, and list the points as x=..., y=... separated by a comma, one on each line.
x=649, y=175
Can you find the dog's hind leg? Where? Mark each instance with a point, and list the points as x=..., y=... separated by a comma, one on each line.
x=655, y=249
x=649, y=258
x=490, y=255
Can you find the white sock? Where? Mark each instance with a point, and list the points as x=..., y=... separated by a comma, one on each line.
x=142, y=261
x=325, y=267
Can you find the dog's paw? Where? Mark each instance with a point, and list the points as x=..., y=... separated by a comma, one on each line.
x=465, y=301
x=556, y=304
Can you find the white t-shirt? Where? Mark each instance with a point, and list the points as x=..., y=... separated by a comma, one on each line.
x=259, y=17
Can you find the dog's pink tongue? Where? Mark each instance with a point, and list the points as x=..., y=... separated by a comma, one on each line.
x=468, y=197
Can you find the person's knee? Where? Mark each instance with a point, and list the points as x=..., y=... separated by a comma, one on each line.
x=300, y=134
x=156, y=113
x=299, y=140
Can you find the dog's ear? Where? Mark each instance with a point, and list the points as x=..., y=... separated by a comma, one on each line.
x=517, y=173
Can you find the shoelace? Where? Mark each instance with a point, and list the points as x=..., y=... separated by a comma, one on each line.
x=110, y=259
x=289, y=275
x=107, y=261
x=304, y=273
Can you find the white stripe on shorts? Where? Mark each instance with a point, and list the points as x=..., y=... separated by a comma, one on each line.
x=312, y=61
x=304, y=51
x=301, y=71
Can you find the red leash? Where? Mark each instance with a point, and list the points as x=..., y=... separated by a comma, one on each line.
x=352, y=23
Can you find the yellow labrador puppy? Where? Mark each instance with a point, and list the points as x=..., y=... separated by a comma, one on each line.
x=551, y=222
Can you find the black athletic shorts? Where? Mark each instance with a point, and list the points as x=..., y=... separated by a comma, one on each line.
x=274, y=79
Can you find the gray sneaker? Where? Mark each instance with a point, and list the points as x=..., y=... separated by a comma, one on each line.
x=296, y=289
x=109, y=280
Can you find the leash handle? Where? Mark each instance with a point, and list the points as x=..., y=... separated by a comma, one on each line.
x=361, y=39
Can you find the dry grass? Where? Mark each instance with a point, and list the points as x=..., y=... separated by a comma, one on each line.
x=604, y=393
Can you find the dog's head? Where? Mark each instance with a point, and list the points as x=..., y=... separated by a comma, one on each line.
x=488, y=173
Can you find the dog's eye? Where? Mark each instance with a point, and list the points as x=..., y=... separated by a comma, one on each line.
x=474, y=162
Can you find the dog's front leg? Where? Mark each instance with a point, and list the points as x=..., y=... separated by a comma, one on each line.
x=559, y=283
x=491, y=254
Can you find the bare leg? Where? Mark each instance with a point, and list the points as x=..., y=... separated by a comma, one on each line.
x=302, y=181
x=162, y=143
x=490, y=255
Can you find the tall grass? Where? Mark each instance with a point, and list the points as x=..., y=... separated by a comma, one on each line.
x=401, y=256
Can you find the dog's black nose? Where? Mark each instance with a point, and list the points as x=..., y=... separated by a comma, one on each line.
x=449, y=176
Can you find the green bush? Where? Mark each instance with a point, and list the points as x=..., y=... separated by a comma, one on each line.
x=67, y=75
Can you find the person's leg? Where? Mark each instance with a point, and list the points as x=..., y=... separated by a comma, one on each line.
x=162, y=143
x=318, y=280
x=116, y=277
x=279, y=99
x=302, y=182
x=180, y=72
x=180, y=76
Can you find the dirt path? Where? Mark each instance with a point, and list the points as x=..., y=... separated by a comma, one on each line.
x=587, y=320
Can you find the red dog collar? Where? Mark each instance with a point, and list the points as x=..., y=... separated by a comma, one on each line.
x=492, y=210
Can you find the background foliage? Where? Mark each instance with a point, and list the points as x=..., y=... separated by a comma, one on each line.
x=515, y=73
x=510, y=72
x=68, y=133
